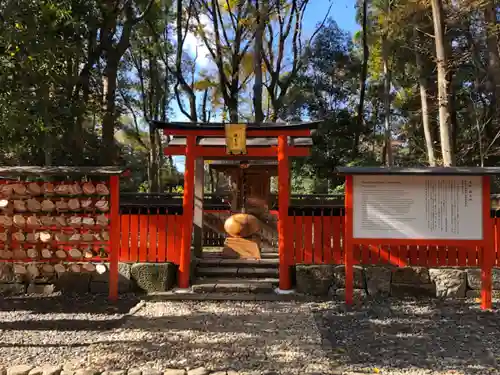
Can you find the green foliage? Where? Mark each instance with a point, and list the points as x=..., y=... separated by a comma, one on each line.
x=55, y=68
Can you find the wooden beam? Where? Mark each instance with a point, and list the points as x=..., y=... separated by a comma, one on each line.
x=294, y=151
x=220, y=152
x=174, y=150
x=250, y=133
x=213, y=151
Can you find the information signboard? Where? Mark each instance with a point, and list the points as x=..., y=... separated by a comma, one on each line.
x=439, y=206
x=417, y=207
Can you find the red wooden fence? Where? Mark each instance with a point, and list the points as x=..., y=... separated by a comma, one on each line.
x=319, y=240
x=150, y=238
x=316, y=240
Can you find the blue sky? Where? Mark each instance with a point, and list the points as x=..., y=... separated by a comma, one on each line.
x=342, y=12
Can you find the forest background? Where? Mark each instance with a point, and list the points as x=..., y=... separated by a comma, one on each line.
x=399, y=82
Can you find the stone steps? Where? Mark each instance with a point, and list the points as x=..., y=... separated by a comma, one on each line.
x=215, y=274
x=227, y=296
x=236, y=272
x=263, y=254
x=233, y=285
x=265, y=262
x=269, y=255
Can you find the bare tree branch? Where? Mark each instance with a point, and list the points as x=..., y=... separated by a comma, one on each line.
x=137, y=132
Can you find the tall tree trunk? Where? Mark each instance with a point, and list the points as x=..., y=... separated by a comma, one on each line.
x=154, y=107
x=387, y=103
x=233, y=108
x=257, y=87
x=490, y=17
x=429, y=143
x=108, y=152
x=154, y=162
x=362, y=81
x=443, y=89
x=48, y=134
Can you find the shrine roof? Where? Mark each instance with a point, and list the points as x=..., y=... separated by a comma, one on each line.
x=437, y=171
x=272, y=126
x=258, y=141
x=60, y=171
x=252, y=163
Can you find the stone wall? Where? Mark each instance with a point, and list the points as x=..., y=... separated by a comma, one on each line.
x=329, y=280
x=133, y=277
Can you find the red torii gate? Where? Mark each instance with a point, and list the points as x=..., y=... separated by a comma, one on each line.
x=264, y=141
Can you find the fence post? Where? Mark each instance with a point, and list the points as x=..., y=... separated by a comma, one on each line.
x=285, y=282
x=187, y=214
x=114, y=187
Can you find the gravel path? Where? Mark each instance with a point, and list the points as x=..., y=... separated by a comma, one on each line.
x=249, y=337
x=390, y=337
x=411, y=337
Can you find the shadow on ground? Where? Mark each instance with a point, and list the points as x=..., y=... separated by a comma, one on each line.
x=394, y=334
x=86, y=303
x=248, y=337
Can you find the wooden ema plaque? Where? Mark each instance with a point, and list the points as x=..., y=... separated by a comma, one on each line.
x=419, y=207
x=66, y=225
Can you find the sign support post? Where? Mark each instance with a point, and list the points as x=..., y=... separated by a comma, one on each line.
x=348, y=246
x=420, y=207
x=488, y=249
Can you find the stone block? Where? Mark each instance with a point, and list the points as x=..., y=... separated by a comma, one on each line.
x=114, y=372
x=378, y=280
x=45, y=278
x=8, y=276
x=174, y=372
x=43, y=289
x=199, y=371
x=413, y=290
x=314, y=279
x=51, y=370
x=73, y=283
x=154, y=277
x=477, y=294
x=474, y=278
x=19, y=370
x=450, y=283
x=358, y=294
x=124, y=275
x=12, y=289
x=411, y=275
x=151, y=372
x=36, y=371
x=87, y=371
x=99, y=283
x=359, y=277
